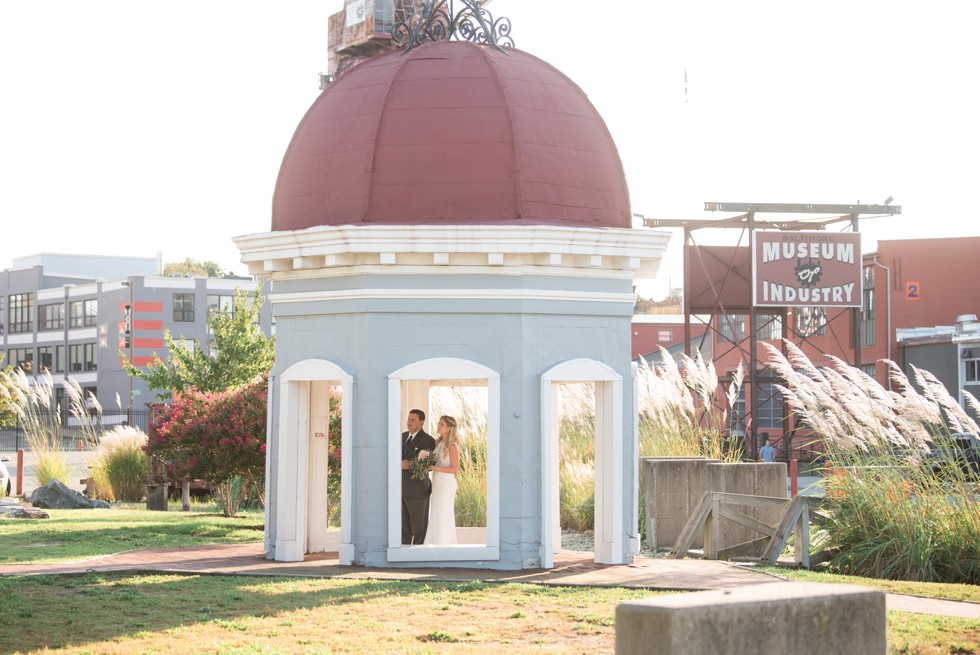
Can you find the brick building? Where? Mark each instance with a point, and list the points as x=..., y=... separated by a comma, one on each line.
x=906, y=284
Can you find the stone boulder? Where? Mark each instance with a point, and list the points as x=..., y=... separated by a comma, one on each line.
x=18, y=512
x=55, y=495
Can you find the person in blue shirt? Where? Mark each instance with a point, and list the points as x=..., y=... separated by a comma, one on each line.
x=767, y=452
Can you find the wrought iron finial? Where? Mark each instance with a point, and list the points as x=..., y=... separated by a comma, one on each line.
x=436, y=20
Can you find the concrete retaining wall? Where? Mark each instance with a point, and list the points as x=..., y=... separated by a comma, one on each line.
x=673, y=487
x=801, y=618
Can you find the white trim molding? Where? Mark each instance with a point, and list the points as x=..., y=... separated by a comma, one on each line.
x=451, y=294
x=298, y=421
x=608, y=458
x=279, y=254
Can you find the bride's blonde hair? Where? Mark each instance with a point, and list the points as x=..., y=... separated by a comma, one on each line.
x=450, y=432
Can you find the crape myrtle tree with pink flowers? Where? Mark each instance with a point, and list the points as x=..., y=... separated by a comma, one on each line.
x=214, y=426
x=219, y=437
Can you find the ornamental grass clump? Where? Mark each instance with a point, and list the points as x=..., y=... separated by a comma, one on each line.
x=895, y=515
x=119, y=467
x=33, y=403
x=682, y=413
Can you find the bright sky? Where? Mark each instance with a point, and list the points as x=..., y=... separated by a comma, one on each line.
x=137, y=127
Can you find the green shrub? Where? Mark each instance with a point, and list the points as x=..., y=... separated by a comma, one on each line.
x=121, y=465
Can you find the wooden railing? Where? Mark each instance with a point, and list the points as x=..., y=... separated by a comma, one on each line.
x=796, y=517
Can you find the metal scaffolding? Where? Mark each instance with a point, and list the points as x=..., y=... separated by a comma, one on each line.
x=738, y=267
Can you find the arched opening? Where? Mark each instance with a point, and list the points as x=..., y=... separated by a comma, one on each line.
x=608, y=412
x=303, y=470
x=412, y=387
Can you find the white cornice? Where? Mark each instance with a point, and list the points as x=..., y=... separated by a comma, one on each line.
x=451, y=294
x=588, y=250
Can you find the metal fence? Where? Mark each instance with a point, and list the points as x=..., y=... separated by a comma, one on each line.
x=71, y=431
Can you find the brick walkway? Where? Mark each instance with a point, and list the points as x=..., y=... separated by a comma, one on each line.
x=572, y=568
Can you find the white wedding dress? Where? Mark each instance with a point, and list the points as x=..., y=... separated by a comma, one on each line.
x=442, y=503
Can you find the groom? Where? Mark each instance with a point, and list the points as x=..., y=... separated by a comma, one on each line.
x=415, y=493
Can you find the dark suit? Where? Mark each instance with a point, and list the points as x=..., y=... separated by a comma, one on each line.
x=415, y=493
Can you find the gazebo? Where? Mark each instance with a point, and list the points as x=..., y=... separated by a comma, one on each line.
x=454, y=214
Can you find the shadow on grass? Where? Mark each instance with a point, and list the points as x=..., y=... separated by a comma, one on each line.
x=62, y=539
x=73, y=611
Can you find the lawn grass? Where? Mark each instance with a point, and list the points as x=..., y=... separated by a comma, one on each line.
x=944, y=590
x=122, y=613
x=139, y=613
x=125, y=613
x=71, y=535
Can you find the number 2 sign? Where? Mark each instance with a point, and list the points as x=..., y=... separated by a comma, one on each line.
x=912, y=290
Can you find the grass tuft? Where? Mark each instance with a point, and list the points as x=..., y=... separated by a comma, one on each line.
x=119, y=467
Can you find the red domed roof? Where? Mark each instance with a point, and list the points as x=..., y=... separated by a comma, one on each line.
x=451, y=133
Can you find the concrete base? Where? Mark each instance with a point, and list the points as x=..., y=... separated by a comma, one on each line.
x=802, y=618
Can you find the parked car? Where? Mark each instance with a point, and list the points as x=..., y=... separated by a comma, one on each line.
x=960, y=449
x=4, y=476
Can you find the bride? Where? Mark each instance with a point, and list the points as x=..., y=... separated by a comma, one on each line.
x=442, y=510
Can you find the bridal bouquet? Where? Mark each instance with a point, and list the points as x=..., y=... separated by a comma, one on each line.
x=419, y=467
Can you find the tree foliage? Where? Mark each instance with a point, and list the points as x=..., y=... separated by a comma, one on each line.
x=217, y=437
x=7, y=395
x=193, y=268
x=239, y=354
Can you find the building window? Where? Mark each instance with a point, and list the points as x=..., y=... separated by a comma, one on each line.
x=82, y=357
x=89, y=395
x=51, y=358
x=183, y=308
x=972, y=371
x=1, y=314
x=83, y=313
x=21, y=310
x=91, y=357
x=665, y=335
x=868, y=307
x=971, y=380
x=221, y=304
x=811, y=321
x=736, y=413
x=732, y=327
x=768, y=326
x=22, y=358
x=76, y=358
x=51, y=317
x=190, y=345
x=769, y=409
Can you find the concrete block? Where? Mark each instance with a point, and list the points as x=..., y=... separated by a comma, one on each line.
x=752, y=479
x=802, y=618
x=672, y=488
